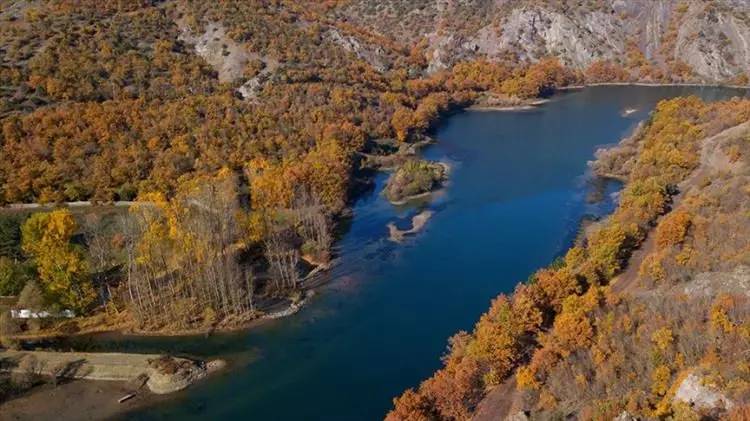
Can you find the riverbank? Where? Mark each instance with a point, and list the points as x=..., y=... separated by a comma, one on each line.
x=525, y=105
x=162, y=374
x=506, y=104
x=516, y=196
x=76, y=400
x=502, y=103
x=276, y=311
x=651, y=84
x=99, y=385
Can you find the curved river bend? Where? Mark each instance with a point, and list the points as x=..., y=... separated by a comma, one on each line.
x=514, y=203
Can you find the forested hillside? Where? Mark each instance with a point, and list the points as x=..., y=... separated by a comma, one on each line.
x=649, y=40
x=106, y=100
x=242, y=130
x=604, y=331
x=249, y=119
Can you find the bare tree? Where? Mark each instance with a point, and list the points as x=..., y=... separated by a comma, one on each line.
x=184, y=256
x=283, y=257
x=313, y=224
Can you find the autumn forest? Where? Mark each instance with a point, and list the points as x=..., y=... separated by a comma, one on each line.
x=183, y=167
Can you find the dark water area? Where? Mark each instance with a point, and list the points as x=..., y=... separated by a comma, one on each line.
x=516, y=196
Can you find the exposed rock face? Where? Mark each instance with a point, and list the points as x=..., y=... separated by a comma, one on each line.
x=625, y=416
x=440, y=58
x=693, y=392
x=715, y=42
x=229, y=58
x=533, y=33
x=711, y=284
x=375, y=56
x=220, y=51
x=518, y=416
x=168, y=374
x=711, y=37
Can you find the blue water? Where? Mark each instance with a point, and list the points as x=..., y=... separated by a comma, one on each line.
x=514, y=202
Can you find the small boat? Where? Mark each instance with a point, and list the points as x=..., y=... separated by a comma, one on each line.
x=126, y=397
x=629, y=111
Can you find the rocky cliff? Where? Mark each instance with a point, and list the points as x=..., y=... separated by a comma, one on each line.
x=706, y=39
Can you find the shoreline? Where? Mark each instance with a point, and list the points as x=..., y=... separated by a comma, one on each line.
x=527, y=105
x=106, y=385
x=309, y=291
x=66, y=401
x=287, y=311
x=36, y=395
x=293, y=308
x=653, y=84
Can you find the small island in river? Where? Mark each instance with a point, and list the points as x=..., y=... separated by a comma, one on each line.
x=414, y=179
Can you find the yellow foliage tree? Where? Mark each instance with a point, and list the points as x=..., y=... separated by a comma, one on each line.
x=402, y=122
x=673, y=229
x=62, y=268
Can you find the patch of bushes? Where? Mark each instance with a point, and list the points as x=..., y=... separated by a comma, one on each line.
x=413, y=178
x=14, y=275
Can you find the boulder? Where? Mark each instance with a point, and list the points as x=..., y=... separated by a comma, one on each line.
x=168, y=374
x=695, y=393
x=518, y=416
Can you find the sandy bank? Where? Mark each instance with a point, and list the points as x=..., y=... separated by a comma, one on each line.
x=526, y=105
x=162, y=374
x=91, y=385
x=418, y=222
x=77, y=400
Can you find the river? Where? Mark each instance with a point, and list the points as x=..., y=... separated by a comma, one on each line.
x=516, y=196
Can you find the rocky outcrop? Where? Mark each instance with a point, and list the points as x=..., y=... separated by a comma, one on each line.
x=229, y=58
x=695, y=393
x=714, y=41
x=168, y=374
x=373, y=55
x=711, y=284
x=625, y=416
x=711, y=37
x=518, y=416
x=533, y=33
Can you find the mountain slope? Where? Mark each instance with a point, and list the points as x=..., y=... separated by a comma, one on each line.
x=653, y=39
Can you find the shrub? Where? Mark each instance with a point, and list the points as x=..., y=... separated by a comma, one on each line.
x=14, y=275
x=413, y=178
x=8, y=325
x=10, y=236
x=673, y=229
x=31, y=297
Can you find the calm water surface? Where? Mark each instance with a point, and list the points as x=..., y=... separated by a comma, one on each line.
x=516, y=196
